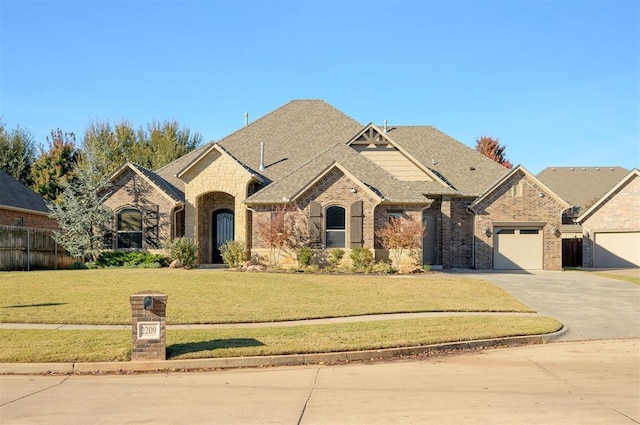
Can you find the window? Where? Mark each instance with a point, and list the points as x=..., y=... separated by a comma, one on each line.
x=129, y=228
x=529, y=231
x=18, y=221
x=335, y=227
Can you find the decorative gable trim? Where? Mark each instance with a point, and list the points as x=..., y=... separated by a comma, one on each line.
x=632, y=174
x=371, y=134
x=527, y=174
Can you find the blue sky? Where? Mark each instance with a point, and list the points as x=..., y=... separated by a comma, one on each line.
x=558, y=82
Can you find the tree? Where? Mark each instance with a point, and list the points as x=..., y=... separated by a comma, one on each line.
x=492, y=149
x=16, y=153
x=80, y=213
x=401, y=234
x=55, y=166
x=283, y=229
x=161, y=144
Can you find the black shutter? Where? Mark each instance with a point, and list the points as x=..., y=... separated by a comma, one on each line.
x=356, y=225
x=315, y=224
x=151, y=224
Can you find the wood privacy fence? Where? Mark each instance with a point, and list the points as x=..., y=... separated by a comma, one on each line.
x=22, y=248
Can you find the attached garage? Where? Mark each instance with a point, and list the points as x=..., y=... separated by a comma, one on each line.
x=616, y=249
x=518, y=248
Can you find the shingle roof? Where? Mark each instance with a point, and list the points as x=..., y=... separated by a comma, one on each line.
x=379, y=181
x=292, y=134
x=581, y=186
x=170, y=190
x=466, y=170
x=16, y=195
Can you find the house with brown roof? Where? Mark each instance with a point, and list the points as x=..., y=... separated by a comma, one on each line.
x=349, y=180
x=21, y=206
x=602, y=226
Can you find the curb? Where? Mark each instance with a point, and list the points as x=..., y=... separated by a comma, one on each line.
x=269, y=361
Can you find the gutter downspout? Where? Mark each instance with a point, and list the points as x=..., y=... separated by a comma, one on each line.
x=473, y=244
x=175, y=218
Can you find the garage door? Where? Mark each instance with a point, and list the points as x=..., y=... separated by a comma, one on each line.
x=515, y=249
x=617, y=250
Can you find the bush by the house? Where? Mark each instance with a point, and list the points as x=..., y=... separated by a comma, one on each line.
x=141, y=259
x=361, y=259
x=305, y=256
x=184, y=250
x=383, y=267
x=234, y=253
x=335, y=257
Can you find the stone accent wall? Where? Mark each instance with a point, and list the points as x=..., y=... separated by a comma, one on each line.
x=34, y=221
x=518, y=199
x=216, y=172
x=620, y=211
x=132, y=190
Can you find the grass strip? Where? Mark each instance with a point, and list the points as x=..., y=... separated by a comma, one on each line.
x=92, y=346
x=211, y=296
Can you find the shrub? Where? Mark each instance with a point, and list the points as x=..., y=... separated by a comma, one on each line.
x=383, y=267
x=184, y=250
x=234, y=253
x=361, y=259
x=335, y=257
x=78, y=266
x=305, y=255
x=130, y=259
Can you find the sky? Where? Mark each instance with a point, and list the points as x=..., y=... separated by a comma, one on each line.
x=557, y=82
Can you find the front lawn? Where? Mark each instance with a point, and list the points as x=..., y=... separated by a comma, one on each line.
x=213, y=296
x=103, y=345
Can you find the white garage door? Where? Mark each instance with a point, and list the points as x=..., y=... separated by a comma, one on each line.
x=617, y=250
x=515, y=249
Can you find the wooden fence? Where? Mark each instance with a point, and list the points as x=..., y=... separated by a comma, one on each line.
x=22, y=248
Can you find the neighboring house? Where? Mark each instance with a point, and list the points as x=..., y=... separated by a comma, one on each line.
x=581, y=187
x=21, y=206
x=611, y=226
x=349, y=180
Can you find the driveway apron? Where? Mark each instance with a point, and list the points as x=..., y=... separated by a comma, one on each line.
x=590, y=306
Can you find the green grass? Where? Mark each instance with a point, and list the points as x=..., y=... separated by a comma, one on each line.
x=208, y=296
x=91, y=346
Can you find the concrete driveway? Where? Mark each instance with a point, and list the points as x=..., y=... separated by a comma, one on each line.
x=590, y=306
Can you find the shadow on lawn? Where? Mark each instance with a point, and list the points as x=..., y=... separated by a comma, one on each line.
x=34, y=305
x=174, y=350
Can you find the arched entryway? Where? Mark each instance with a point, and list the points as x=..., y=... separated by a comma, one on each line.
x=223, y=231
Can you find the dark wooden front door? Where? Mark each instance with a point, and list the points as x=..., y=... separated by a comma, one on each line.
x=222, y=224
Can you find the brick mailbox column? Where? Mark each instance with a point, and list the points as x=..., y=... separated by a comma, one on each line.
x=148, y=326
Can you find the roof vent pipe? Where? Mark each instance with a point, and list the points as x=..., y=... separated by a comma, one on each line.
x=261, y=156
x=246, y=119
x=385, y=126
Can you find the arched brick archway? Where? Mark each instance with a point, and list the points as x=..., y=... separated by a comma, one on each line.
x=210, y=207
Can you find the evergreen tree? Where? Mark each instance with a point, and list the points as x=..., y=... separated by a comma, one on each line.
x=16, y=153
x=80, y=213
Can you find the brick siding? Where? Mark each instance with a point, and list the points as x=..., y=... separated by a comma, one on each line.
x=34, y=221
x=620, y=211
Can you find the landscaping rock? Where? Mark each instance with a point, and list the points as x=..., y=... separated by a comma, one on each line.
x=175, y=264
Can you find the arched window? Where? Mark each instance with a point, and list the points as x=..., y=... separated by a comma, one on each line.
x=129, y=228
x=335, y=228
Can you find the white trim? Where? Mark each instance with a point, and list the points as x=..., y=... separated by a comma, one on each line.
x=24, y=210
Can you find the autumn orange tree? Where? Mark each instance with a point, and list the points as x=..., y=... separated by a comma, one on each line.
x=492, y=149
x=285, y=229
x=401, y=234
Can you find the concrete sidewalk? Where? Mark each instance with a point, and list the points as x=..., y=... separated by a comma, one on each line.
x=594, y=382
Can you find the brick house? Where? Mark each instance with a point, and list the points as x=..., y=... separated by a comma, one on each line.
x=348, y=179
x=611, y=226
x=602, y=227
x=21, y=206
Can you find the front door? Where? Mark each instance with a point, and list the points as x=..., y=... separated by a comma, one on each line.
x=222, y=224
